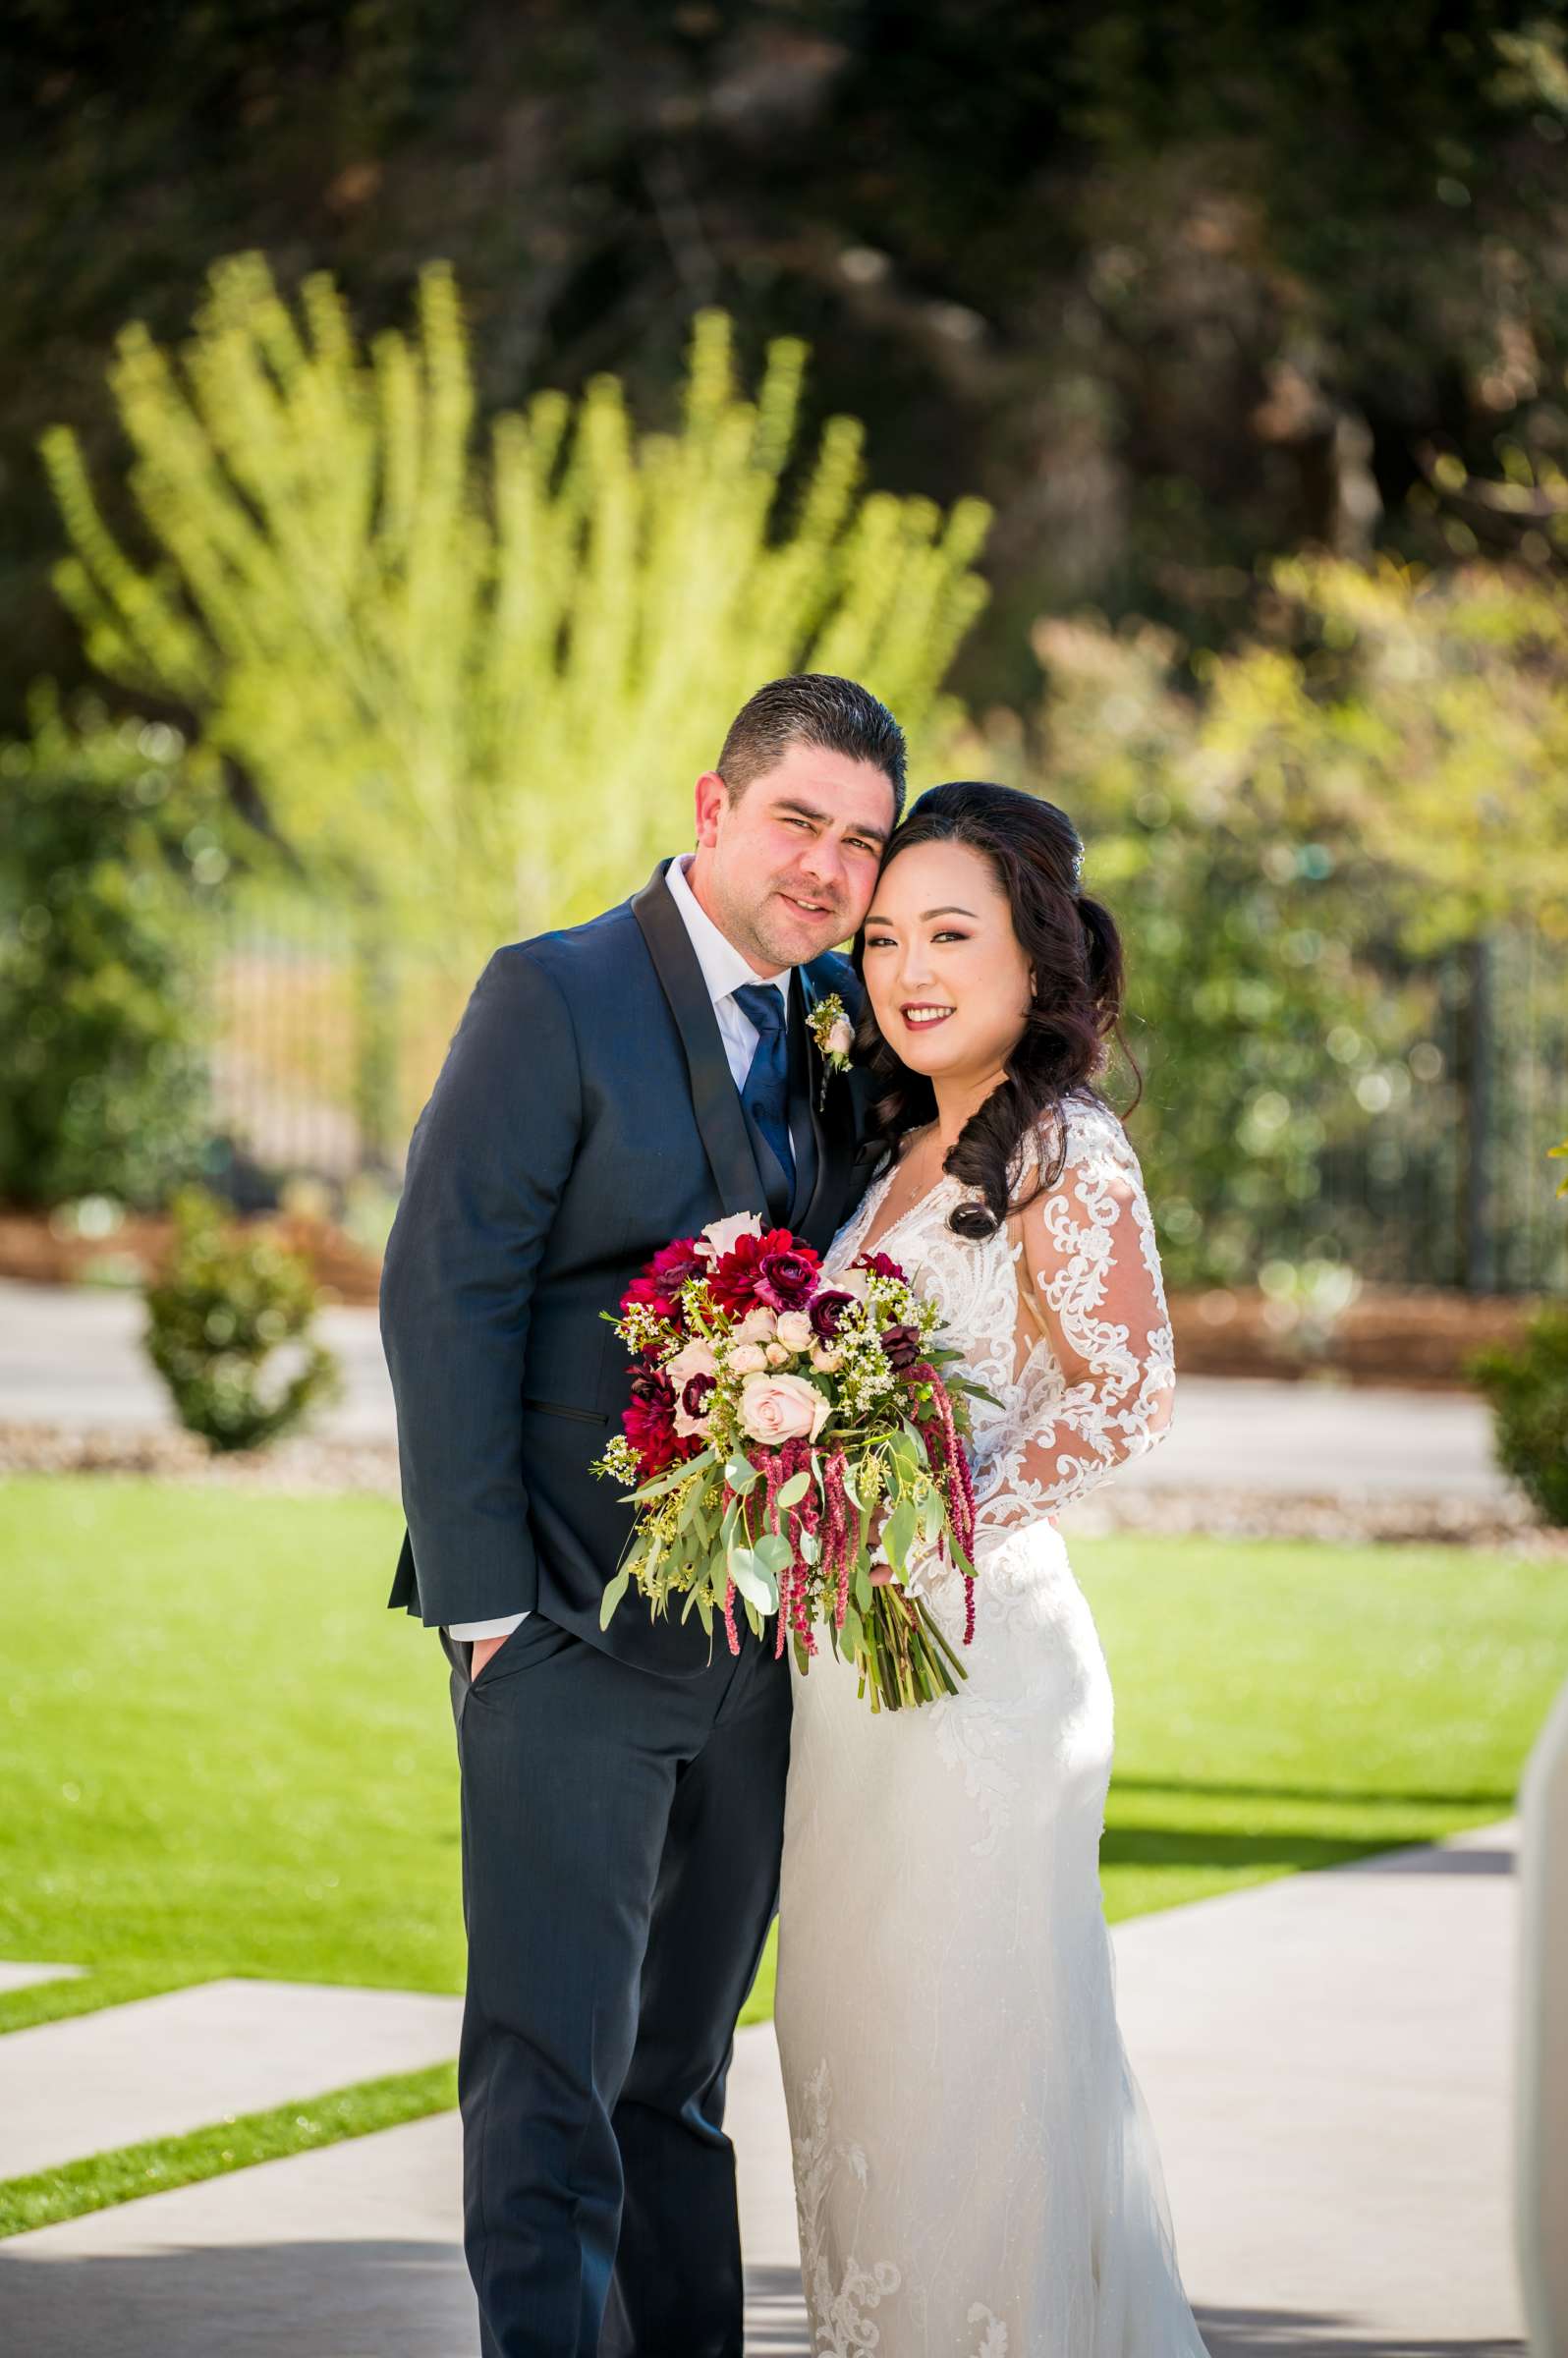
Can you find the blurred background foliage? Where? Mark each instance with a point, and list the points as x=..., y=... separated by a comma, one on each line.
x=1249, y=333
x=113, y=860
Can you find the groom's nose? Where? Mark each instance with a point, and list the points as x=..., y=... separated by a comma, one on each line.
x=824, y=863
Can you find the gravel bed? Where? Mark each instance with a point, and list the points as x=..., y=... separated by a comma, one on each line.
x=304, y=1467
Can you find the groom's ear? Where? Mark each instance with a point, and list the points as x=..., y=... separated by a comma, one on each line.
x=712, y=797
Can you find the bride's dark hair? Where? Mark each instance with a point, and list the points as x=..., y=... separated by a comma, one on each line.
x=1075, y=952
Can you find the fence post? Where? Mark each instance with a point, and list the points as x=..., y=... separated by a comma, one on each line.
x=1481, y=1053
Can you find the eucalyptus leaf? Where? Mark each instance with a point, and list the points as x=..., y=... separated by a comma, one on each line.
x=742, y=1476
x=674, y=1478
x=795, y=1490
x=772, y=1551
x=753, y=1581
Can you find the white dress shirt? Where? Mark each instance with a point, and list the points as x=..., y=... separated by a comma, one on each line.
x=724, y=971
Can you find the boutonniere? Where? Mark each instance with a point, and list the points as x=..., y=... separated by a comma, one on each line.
x=829, y=1027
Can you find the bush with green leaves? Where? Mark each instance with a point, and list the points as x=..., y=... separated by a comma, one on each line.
x=471, y=679
x=1528, y=1387
x=110, y=852
x=229, y=1331
x=1292, y=835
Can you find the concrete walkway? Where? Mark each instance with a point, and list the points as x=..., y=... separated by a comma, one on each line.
x=72, y=1356
x=165, y=2065
x=1325, y=2059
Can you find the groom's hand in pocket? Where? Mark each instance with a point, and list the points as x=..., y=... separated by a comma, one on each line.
x=483, y=1647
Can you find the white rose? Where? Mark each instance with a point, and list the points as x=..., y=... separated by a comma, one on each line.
x=795, y=1330
x=719, y=1236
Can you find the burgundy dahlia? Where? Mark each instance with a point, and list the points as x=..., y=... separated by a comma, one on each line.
x=735, y=1280
x=674, y=1265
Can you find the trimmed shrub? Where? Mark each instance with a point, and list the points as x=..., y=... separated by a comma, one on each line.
x=1528, y=1388
x=229, y=1331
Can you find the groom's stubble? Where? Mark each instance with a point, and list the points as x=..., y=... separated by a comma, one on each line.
x=787, y=866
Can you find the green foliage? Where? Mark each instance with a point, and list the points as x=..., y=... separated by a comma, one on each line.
x=228, y=1330
x=110, y=848
x=1528, y=1387
x=1058, y=263
x=478, y=696
x=1287, y=841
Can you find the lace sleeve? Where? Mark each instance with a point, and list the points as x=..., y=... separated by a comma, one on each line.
x=1088, y=1245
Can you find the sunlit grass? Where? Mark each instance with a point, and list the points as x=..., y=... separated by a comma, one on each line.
x=221, y=1754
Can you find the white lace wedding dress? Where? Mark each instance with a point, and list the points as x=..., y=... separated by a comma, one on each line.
x=975, y=2172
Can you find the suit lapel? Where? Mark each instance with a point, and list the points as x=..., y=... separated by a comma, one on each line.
x=832, y=1127
x=714, y=1099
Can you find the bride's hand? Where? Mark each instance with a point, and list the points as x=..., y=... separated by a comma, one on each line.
x=882, y=1574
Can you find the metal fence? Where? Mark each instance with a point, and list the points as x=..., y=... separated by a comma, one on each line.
x=327, y=1044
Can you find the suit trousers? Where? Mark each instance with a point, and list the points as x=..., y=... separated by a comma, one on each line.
x=621, y=1842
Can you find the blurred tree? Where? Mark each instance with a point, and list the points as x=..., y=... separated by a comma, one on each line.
x=474, y=700
x=112, y=845
x=1289, y=845
x=1175, y=287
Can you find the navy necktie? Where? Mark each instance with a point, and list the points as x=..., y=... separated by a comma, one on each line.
x=767, y=1088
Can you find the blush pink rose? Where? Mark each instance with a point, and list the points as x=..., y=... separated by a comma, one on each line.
x=841, y=1040
x=759, y=1326
x=782, y=1408
x=795, y=1330
x=748, y=1359
x=696, y=1359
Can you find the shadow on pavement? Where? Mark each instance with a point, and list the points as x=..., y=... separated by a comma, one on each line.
x=312, y=2300
x=1304, y=2334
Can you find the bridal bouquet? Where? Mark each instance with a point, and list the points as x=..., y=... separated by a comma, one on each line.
x=775, y=1415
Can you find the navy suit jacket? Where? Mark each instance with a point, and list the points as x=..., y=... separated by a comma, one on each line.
x=584, y=1116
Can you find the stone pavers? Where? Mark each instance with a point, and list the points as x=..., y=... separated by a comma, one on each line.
x=1326, y=2061
x=163, y=2065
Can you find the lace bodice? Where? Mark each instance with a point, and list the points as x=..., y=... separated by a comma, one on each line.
x=1090, y=1380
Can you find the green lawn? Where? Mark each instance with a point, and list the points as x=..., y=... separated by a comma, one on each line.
x=221, y=1754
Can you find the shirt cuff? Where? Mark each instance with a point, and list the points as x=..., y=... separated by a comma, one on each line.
x=501, y=1627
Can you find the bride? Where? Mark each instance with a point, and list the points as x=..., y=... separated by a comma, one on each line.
x=975, y=2173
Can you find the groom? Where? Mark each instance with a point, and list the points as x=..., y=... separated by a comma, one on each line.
x=609, y=1089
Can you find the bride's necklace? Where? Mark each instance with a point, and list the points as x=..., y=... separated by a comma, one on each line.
x=915, y=1175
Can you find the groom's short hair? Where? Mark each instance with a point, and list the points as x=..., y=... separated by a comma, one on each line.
x=812, y=708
